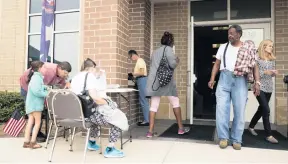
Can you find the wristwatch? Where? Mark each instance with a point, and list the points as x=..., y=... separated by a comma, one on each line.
x=258, y=82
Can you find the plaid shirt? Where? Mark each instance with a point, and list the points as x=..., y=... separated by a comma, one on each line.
x=246, y=60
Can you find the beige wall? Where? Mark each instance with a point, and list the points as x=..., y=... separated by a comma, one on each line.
x=173, y=17
x=13, y=16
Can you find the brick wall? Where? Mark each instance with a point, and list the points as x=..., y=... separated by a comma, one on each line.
x=173, y=17
x=12, y=43
x=140, y=34
x=140, y=27
x=106, y=41
x=281, y=45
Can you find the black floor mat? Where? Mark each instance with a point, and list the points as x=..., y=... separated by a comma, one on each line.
x=206, y=133
x=197, y=132
x=260, y=142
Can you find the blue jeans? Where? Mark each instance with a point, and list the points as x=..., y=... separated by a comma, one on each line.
x=229, y=88
x=141, y=83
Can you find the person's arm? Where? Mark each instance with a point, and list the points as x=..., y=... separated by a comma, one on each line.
x=98, y=100
x=216, y=66
x=37, y=87
x=215, y=70
x=257, y=84
x=171, y=57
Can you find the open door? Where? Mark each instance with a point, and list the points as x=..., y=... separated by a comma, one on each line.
x=190, y=72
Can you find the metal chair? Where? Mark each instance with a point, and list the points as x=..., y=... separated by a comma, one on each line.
x=67, y=112
x=50, y=117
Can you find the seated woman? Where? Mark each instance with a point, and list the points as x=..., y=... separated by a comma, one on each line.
x=99, y=96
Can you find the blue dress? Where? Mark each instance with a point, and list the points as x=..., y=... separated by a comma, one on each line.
x=37, y=92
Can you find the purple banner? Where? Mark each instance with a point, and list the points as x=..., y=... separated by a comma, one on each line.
x=48, y=8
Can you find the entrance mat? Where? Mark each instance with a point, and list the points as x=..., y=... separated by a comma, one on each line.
x=197, y=132
x=206, y=133
x=260, y=142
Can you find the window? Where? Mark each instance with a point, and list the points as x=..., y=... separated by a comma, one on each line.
x=217, y=10
x=249, y=9
x=65, y=40
x=209, y=10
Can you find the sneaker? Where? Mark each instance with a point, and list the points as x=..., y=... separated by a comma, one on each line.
x=183, y=131
x=149, y=135
x=223, y=144
x=93, y=146
x=143, y=123
x=272, y=140
x=112, y=152
x=236, y=146
x=252, y=131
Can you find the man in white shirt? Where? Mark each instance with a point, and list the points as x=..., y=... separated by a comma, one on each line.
x=232, y=85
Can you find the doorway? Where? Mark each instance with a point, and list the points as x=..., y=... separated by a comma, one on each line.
x=207, y=40
x=205, y=43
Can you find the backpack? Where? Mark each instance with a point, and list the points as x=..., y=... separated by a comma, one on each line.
x=164, y=72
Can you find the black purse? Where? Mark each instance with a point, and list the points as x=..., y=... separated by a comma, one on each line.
x=88, y=104
x=164, y=72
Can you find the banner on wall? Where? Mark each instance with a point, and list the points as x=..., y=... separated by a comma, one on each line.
x=48, y=8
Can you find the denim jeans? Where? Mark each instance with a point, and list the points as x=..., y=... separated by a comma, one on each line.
x=231, y=87
x=141, y=83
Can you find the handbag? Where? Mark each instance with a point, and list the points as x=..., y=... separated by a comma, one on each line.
x=164, y=72
x=113, y=114
x=88, y=104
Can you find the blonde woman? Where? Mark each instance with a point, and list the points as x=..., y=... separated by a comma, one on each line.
x=266, y=63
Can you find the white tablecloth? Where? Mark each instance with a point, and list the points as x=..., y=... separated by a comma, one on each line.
x=121, y=90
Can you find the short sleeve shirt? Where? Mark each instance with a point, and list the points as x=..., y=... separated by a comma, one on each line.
x=77, y=83
x=140, y=64
x=231, y=56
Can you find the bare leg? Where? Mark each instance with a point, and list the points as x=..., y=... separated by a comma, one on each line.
x=177, y=113
x=28, y=128
x=37, y=117
x=152, y=121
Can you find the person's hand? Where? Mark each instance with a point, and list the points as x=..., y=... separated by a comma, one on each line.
x=269, y=72
x=67, y=85
x=177, y=60
x=256, y=89
x=211, y=84
x=275, y=72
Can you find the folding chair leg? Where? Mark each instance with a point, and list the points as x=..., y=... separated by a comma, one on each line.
x=100, y=141
x=86, y=145
x=48, y=136
x=67, y=136
x=53, y=145
x=72, y=139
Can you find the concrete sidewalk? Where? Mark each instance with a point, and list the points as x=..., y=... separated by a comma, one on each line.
x=140, y=151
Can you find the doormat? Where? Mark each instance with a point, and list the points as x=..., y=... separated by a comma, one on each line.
x=197, y=132
x=260, y=142
x=206, y=133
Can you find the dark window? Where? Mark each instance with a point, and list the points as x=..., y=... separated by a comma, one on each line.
x=249, y=9
x=209, y=10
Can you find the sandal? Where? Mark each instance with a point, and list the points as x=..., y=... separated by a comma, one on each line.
x=26, y=145
x=34, y=145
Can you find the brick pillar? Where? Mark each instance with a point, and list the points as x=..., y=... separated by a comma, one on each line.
x=281, y=45
x=172, y=17
x=106, y=35
x=106, y=41
x=140, y=32
x=140, y=27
